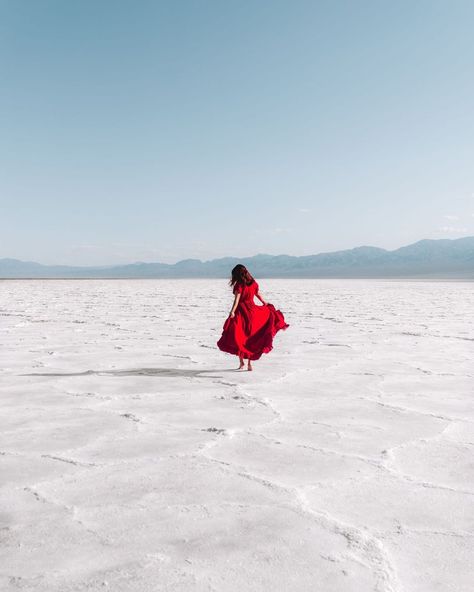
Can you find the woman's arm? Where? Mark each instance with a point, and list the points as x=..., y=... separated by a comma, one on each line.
x=234, y=306
x=259, y=296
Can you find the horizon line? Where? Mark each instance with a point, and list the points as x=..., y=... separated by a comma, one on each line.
x=138, y=262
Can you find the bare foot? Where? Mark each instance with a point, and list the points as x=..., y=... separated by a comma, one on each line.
x=249, y=367
x=241, y=360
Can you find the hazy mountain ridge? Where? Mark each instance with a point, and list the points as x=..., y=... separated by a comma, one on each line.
x=443, y=258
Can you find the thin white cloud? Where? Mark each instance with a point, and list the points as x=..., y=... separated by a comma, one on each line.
x=453, y=230
x=451, y=217
x=304, y=210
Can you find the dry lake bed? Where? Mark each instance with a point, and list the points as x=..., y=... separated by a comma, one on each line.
x=134, y=457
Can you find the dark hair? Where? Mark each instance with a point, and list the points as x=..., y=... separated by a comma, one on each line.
x=241, y=275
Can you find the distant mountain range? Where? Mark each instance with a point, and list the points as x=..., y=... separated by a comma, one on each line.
x=437, y=259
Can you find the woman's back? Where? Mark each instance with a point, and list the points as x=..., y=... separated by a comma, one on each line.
x=247, y=292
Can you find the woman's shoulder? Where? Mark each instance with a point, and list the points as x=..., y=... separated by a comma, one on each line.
x=240, y=287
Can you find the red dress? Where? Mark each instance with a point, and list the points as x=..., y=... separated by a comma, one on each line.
x=250, y=333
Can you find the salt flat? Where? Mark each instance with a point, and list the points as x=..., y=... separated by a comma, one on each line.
x=134, y=457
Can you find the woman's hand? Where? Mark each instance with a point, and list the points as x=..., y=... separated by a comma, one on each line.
x=232, y=315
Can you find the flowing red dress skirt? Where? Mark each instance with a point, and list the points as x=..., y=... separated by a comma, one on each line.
x=250, y=333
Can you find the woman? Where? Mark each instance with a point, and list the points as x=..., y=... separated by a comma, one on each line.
x=249, y=330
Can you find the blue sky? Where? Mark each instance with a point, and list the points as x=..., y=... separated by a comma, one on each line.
x=157, y=131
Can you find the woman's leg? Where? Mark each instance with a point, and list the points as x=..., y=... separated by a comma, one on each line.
x=249, y=365
x=241, y=360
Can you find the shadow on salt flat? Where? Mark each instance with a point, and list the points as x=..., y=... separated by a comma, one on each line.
x=171, y=372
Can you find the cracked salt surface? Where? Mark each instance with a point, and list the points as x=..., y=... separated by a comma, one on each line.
x=133, y=457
